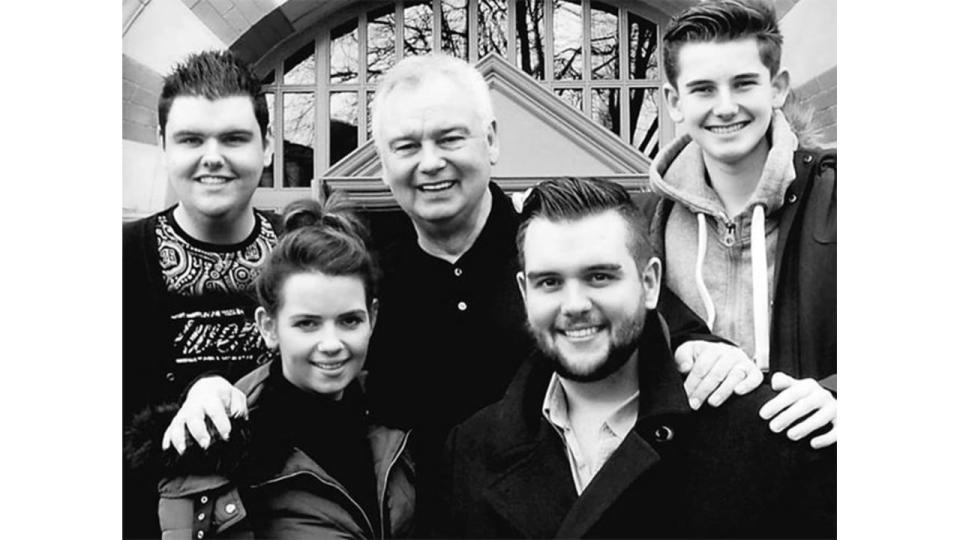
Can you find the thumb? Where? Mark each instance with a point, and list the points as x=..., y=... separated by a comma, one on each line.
x=684, y=357
x=238, y=403
x=781, y=380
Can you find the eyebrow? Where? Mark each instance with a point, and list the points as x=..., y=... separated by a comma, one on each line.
x=230, y=131
x=612, y=267
x=738, y=77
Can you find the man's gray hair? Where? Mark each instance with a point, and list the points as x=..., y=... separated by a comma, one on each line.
x=412, y=71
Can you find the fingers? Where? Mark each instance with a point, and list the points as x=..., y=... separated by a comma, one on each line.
x=784, y=399
x=695, y=386
x=197, y=426
x=238, y=403
x=751, y=381
x=780, y=380
x=823, y=416
x=174, y=435
x=826, y=439
x=733, y=378
x=684, y=356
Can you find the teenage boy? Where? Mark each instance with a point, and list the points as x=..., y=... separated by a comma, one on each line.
x=188, y=270
x=594, y=436
x=746, y=219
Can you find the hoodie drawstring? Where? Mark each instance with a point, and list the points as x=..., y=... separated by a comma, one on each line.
x=761, y=295
x=758, y=259
x=698, y=272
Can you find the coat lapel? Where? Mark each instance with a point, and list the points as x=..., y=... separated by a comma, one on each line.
x=634, y=457
x=535, y=492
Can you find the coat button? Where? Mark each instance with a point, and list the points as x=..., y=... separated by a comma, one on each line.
x=792, y=198
x=807, y=158
x=204, y=499
x=457, y=272
x=199, y=534
x=462, y=306
x=201, y=516
x=230, y=508
x=170, y=376
x=663, y=434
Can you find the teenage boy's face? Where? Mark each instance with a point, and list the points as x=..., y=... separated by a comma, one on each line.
x=586, y=299
x=214, y=155
x=725, y=98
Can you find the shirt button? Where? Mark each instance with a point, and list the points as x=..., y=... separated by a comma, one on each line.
x=230, y=508
x=170, y=376
x=204, y=499
x=199, y=534
x=201, y=516
x=462, y=306
x=663, y=434
x=457, y=272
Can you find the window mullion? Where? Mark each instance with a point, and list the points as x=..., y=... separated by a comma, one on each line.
x=512, y=32
x=322, y=100
x=622, y=76
x=548, y=42
x=398, y=25
x=362, y=79
x=473, y=32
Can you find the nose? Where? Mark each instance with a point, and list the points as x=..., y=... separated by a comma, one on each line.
x=725, y=106
x=576, y=301
x=431, y=159
x=212, y=158
x=328, y=342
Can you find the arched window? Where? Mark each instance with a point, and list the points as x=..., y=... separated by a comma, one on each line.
x=600, y=57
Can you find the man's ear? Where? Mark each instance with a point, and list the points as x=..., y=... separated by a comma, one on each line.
x=267, y=326
x=522, y=284
x=650, y=279
x=374, y=309
x=493, y=142
x=268, y=147
x=781, y=88
x=672, y=98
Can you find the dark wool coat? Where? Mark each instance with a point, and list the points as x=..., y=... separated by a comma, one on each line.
x=803, y=326
x=715, y=473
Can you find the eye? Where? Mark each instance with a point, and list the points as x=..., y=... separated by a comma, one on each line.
x=745, y=84
x=548, y=283
x=405, y=148
x=352, y=321
x=190, y=140
x=451, y=142
x=236, y=139
x=702, y=90
x=599, y=278
x=306, y=324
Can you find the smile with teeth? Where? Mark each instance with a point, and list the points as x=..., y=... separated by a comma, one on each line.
x=329, y=366
x=436, y=186
x=730, y=128
x=581, y=333
x=213, y=180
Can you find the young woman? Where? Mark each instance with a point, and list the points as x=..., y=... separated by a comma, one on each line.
x=306, y=462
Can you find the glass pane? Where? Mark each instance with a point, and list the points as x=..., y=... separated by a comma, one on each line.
x=370, y=115
x=573, y=96
x=605, y=105
x=530, y=37
x=643, y=47
x=266, y=179
x=343, y=124
x=567, y=39
x=644, y=121
x=344, y=53
x=492, y=25
x=453, y=27
x=300, y=67
x=381, y=42
x=417, y=27
x=269, y=77
x=298, y=137
x=604, y=41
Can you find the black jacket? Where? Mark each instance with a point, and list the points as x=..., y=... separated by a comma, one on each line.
x=803, y=326
x=716, y=472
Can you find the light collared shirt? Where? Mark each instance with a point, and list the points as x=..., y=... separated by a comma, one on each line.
x=586, y=457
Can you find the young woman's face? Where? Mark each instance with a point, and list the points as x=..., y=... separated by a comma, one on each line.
x=322, y=327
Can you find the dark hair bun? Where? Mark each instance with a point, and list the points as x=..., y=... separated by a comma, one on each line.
x=335, y=213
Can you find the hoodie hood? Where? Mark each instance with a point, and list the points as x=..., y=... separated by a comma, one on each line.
x=679, y=173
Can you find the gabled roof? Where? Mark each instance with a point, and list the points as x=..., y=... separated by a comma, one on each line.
x=567, y=142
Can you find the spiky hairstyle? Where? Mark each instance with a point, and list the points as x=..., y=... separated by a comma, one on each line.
x=213, y=75
x=571, y=199
x=721, y=21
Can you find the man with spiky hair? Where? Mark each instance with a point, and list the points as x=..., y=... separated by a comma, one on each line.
x=594, y=437
x=188, y=270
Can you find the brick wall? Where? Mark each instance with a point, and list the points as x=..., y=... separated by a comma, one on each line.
x=820, y=93
x=141, y=90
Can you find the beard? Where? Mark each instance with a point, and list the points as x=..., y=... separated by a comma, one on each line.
x=624, y=339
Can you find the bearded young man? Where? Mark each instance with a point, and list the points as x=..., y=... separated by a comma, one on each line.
x=595, y=436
